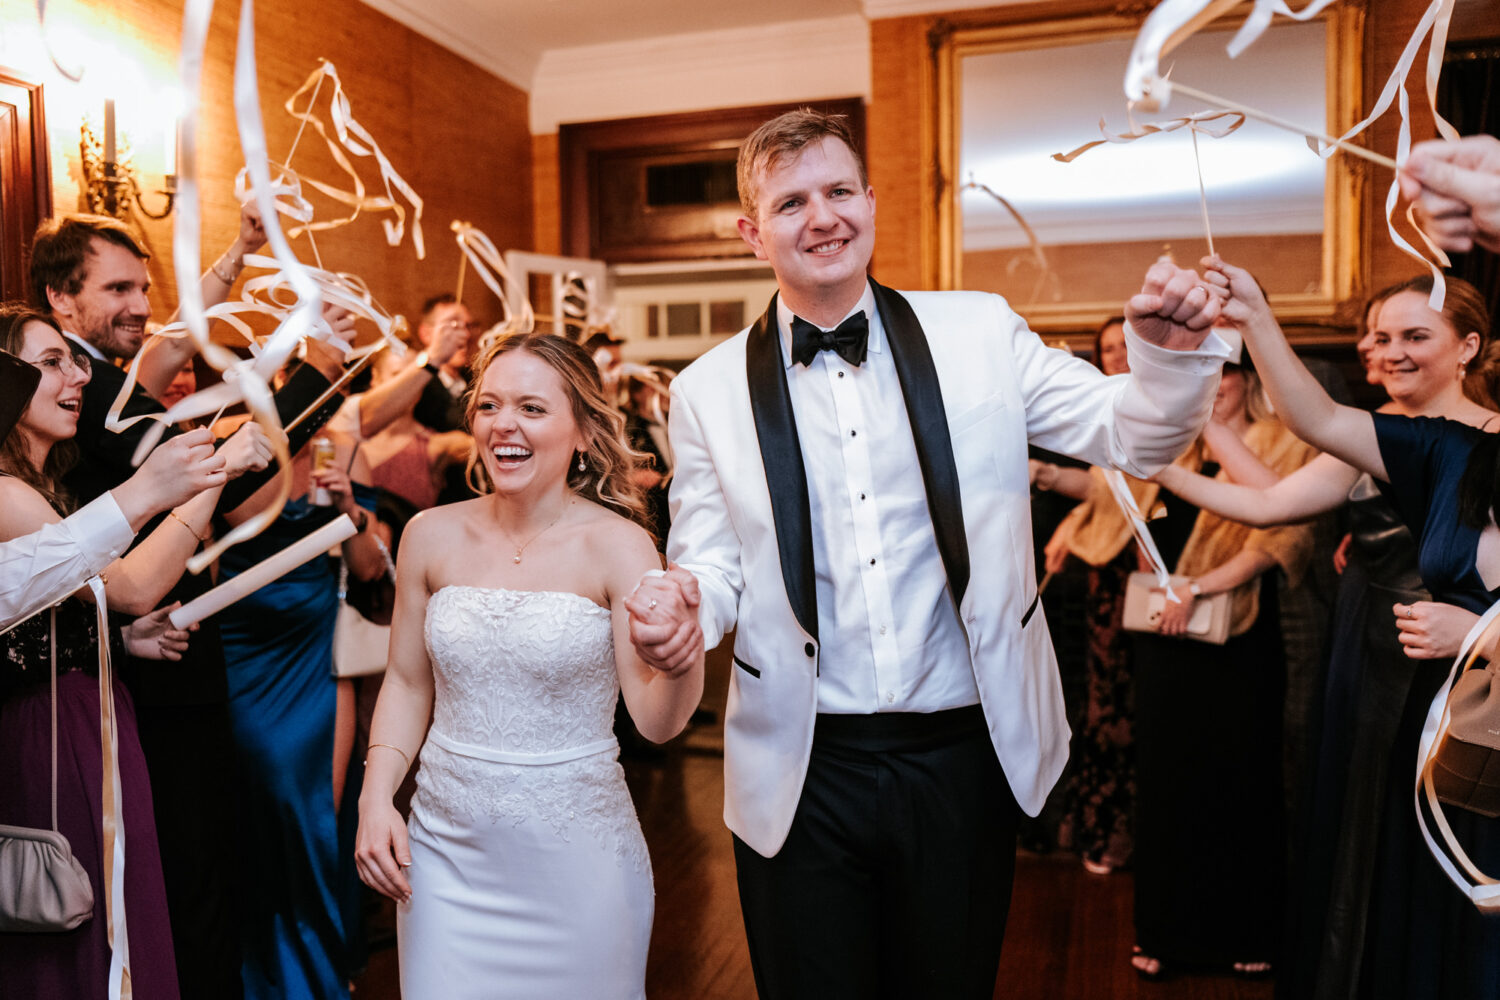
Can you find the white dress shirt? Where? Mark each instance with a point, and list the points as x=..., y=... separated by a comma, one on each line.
x=888, y=628
x=40, y=569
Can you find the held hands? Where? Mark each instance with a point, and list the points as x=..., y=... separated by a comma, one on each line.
x=664, y=620
x=1174, y=309
x=246, y=450
x=381, y=850
x=1456, y=189
x=1432, y=631
x=152, y=637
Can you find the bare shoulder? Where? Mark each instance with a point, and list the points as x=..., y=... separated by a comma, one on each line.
x=22, y=509
x=624, y=550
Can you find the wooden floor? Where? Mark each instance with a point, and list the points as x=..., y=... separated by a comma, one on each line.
x=1069, y=935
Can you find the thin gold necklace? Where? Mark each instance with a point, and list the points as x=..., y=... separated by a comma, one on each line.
x=539, y=534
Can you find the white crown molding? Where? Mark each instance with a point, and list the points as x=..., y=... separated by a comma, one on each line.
x=878, y=9
x=766, y=64
x=512, y=62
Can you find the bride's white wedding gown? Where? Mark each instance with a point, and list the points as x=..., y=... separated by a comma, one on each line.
x=529, y=873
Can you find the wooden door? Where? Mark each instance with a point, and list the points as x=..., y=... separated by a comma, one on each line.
x=25, y=177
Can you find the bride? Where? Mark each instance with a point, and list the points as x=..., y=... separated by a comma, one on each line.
x=523, y=872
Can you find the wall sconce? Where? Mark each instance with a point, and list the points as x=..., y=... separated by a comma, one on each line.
x=109, y=180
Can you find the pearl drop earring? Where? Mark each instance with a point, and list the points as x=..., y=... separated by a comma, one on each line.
x=582, y=466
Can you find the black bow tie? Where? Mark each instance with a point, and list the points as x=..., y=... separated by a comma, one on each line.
x=848, y=339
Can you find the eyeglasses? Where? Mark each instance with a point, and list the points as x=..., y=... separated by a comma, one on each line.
x=65, y=364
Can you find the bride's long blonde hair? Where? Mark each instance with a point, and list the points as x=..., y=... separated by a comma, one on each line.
x=609, y=462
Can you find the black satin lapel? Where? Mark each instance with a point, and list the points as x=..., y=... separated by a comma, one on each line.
x=929, y=426
x=781, y=455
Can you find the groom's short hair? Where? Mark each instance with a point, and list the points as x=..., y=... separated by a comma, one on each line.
x=787, y=135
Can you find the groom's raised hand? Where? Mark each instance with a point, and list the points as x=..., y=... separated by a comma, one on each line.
x=664, y=620
x=1174, y=308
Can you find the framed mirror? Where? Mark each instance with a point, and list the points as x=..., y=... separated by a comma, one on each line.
x=1012, y=94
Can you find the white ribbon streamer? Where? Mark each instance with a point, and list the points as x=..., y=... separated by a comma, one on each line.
x=480, y=251
x=356, y=139
x=1174, y=20
x=1121, y=490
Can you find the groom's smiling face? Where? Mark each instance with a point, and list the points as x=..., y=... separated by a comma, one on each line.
x=814, y=224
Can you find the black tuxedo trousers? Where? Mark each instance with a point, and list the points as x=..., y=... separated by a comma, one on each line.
x=895, y=879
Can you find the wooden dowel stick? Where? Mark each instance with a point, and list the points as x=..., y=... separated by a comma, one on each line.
x=342, y=381
x=1270, y=119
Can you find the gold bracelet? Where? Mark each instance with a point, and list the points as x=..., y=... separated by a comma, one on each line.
x=178, y=518
x=388, y=746
x=214, y=267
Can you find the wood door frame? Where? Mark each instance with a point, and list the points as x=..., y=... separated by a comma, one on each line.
x=25, y=176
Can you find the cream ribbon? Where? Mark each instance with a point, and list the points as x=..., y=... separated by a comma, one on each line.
x=1194, y=123
x=113, y=827
x=1482, y=890
x=481, y=252
x=1126, y=501
x=356, y=139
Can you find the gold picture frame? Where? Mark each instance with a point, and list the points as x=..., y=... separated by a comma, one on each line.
x=1341, y=274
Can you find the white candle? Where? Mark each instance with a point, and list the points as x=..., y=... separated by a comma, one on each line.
x=109, y=130
x=262, y=573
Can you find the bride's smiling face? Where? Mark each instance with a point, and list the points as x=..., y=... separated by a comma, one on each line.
x=523, y=424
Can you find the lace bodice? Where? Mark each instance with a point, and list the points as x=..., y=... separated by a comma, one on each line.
x=524, y=675
x=521, y=671
x=27, y=655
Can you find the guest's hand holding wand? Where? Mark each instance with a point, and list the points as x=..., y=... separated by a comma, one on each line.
x=177, y=470
x=1174, y=308
x=1300, y=401
x=664, y=620
x=1456, y=189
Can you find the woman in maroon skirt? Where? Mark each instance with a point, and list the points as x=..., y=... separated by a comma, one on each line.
x=77, y=964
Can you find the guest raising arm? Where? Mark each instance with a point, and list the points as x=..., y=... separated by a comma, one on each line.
x=163, y=357
x=1343, y=431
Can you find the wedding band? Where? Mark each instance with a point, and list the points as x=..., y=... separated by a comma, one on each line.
x=1411, y=612
x=651, y=606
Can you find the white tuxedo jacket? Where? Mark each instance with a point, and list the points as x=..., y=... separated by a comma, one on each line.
x=977, y=386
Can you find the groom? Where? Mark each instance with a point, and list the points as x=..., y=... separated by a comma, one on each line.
x=851, y=497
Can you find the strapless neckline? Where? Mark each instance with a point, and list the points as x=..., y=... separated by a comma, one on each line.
x=525, y=594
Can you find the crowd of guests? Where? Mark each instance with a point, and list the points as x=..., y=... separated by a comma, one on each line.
x=239, y=724
x=1337, y=890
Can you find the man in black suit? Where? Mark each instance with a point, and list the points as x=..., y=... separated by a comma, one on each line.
x=90, y=272
x=441, y=407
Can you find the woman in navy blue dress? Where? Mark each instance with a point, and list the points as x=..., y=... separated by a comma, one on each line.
x=1425, y=938
x=293, y=727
